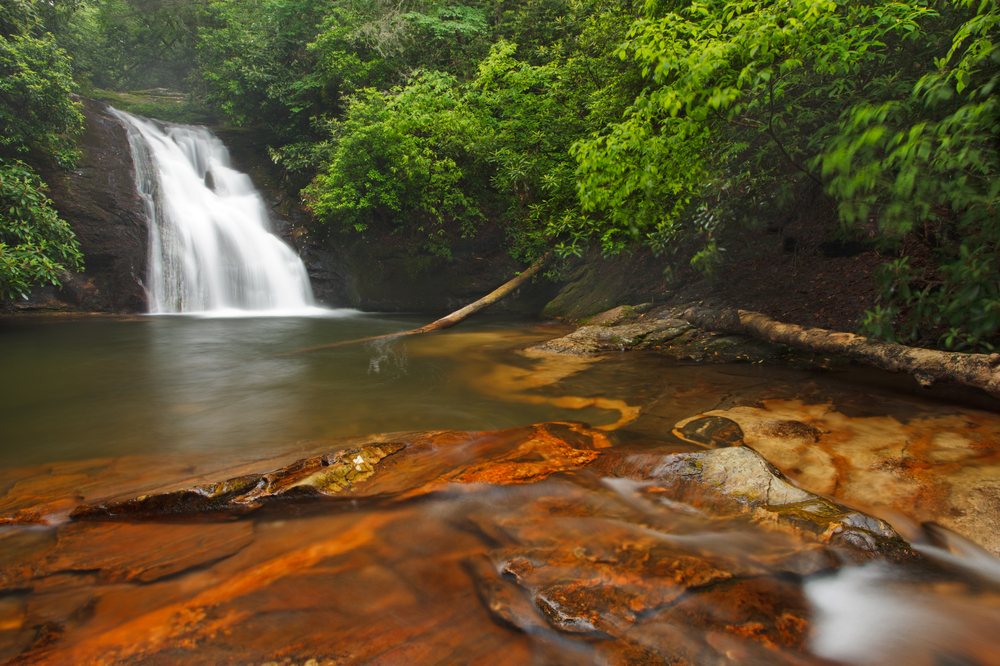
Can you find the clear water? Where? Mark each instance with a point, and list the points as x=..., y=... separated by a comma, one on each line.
x=98, y=387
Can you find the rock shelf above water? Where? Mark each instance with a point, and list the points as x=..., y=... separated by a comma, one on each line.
x=546, y=544
x=723, y=483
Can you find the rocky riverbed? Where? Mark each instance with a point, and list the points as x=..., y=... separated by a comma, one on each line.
x=736, y=512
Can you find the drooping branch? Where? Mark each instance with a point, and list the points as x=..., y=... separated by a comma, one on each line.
x=927, y=366
x=455, y=317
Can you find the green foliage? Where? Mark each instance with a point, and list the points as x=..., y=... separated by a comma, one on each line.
x=576, y=123
x=740, y=97
x=925, y=167
x=448, y=38
x=449, y=155
x=404, y=159
x=37, y=114
x=133, y=44
x=36, y=109
x=35, y=245
x=256, y=66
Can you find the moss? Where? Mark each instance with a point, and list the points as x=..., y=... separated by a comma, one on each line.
x=348, y=468
x=166, y=105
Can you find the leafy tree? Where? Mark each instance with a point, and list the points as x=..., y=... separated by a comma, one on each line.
x=36, y=114
x=134, y=44
x=925, y=168
x=36, y=108
x=741, y=96
x=494, y=148
x=35, y=244
x=257, y=67
x=405, y=159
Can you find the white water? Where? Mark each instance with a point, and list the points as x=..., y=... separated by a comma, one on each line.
x=211, y=249
x=878, y=615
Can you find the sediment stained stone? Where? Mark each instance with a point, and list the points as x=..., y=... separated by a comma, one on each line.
x=142, y=553
x=941, y=467
x=545, y=544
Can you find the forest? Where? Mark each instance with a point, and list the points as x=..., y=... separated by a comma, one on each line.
x=574, y=125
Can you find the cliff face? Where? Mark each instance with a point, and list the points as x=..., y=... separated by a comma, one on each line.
x=383, y=272
x=100, y=202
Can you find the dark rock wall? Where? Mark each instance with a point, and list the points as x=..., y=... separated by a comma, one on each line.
x=597, y=283
x=100, y=202
x=382, y=273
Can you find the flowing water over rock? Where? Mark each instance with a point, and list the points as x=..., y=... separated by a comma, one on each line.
x=211, y=246
x=219, y=503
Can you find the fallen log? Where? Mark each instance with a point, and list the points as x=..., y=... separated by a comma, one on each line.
x=450, y=320
x=927, y=366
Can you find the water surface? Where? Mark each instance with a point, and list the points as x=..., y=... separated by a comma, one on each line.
x=95, y=387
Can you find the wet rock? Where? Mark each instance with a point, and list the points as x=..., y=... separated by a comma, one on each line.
x=596, y=283
x=592, y=340
x=99, y=200
x=322, y=475
x=420, y=464
x=20, y=551
x=626, y=328
x=739, y=481
x=712, y=432
x=503, y=598
x=643, y=583
x=23, y=517
x=147, y=552
x=930, y=466
x=540, y=544
x=387, y=272
x=613, y=317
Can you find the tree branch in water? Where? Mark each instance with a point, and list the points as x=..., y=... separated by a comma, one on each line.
x=455, y=317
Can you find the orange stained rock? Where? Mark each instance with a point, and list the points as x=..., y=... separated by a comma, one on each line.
x=942, y=466
x=184, y=621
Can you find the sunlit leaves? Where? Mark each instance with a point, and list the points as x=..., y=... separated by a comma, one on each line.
x=405, y=158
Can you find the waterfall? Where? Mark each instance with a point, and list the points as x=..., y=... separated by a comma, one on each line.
x=210, y=243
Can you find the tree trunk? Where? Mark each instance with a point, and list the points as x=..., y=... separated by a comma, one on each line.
x=455, y=317
x=981, y=371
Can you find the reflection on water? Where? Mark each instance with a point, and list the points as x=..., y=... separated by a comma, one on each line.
x=93, y=388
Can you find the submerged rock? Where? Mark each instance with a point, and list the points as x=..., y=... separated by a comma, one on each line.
x=416, y=465
x=941, y=467
x=727, y=482
x=321, y=475
x=109, y=549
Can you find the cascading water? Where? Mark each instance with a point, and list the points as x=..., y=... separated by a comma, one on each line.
x=210, y=244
